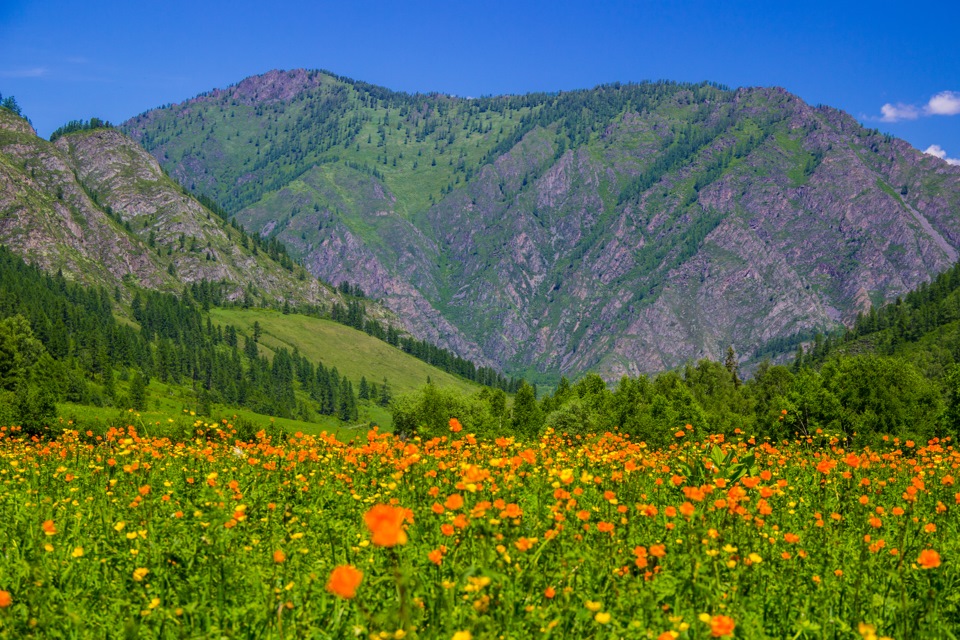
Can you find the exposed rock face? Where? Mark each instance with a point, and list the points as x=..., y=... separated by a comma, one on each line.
x=622, y=229
x=98, y=207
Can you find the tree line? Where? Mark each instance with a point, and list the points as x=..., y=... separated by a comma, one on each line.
x=60, y=341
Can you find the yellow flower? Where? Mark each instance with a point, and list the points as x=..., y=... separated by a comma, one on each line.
x=462, y=635
x=593, y=606
x=140, y=573
x=602, y=617
x=755, y=558
x=77, y=553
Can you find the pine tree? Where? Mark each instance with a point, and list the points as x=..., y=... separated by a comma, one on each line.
x=731, y=365
x=527, y=417
x=138, y=392
x=385, y=395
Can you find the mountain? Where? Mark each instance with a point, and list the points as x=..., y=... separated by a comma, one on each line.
x=624, y=229
x=99, y=208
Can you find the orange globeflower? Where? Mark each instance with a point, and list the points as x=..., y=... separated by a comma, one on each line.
x=344, y=581
x=929, y=559
x=386, y=525
x=279, y=556
x=455, y=425
x=721, y=626
x=48, y=527
x=5, y=599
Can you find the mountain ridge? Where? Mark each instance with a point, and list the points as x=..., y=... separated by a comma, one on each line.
x=708, y=216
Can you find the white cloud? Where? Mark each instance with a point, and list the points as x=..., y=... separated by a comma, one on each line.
x=945, y=103
x=34, y=72
x=938, y=151
x=898, y=112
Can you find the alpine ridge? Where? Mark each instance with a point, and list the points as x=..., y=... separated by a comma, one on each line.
x=624, y=229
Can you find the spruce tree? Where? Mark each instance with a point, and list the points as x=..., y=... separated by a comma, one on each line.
x=138, y=392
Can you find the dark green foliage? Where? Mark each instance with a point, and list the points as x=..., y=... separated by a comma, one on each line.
x=527, y=419
x=138, y=392
x=80, y=125
x=883, y=395
x=427, y=412
x=10, y=104
x=860, y=397
x=61, y=341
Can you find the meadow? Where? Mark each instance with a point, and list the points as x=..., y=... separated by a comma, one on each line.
x=133, y=535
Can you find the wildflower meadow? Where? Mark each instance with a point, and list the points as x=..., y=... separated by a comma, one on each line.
x=131, y=535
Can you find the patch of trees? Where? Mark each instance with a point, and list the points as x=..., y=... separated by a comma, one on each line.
x=80, y=125
x=860, y=397
x=354, y=315
x=60, y=341
x=10, y=104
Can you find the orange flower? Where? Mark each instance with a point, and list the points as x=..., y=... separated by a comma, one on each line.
x=48, y=527
x=824, y=466
x=5, y=599
x=386, y=525
x=549, y=592
x=279, y=556
x=455, y=501
x=435, y=556
x=344, y=581
x=524, y=544
x=512, y=510
x=929, y=559
x=455, y=425
x=721, y=626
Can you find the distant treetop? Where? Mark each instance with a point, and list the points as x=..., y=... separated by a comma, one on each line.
x=10, y=104
x=80, y=125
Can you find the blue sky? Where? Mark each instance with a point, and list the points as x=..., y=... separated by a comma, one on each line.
x=67, y=60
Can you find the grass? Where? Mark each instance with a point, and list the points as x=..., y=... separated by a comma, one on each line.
x=352, y=352
x=171, y=408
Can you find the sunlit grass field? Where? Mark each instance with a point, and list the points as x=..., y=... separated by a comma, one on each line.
x=129, y=535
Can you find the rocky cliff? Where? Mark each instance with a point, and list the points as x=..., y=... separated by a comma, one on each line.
x=97, y=206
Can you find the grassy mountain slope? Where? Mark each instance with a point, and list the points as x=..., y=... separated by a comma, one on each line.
x=352, y=352
x=626, y=228
x=922, y=327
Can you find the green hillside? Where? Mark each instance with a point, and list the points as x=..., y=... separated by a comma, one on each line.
x=627, y=228
x=352, y=352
